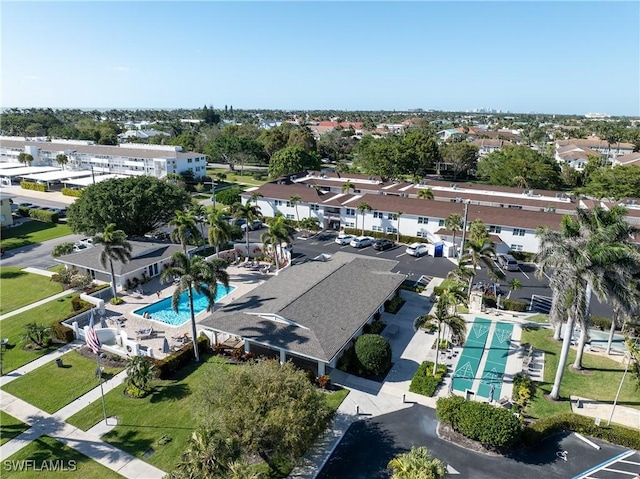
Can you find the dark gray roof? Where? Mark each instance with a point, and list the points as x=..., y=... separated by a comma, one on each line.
x=143, y=254
x=312, y=309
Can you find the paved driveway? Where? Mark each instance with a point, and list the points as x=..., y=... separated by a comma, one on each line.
x=369, y=444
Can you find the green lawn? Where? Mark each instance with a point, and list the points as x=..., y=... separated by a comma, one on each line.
x=14, y=356
x=601, y=384
x=168, y=411
x=20, y=288
x=10, y=427
x=46, y=450
x=235, y=177
x=32, y=232
x=51, y=388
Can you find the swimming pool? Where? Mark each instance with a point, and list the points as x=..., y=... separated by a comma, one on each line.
x=163, y=312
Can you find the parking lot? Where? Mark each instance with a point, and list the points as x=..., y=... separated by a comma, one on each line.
x=429, y=267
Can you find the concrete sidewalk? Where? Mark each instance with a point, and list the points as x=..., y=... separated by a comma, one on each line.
x=41, y=272
x=94, y=395
x=37, y=303
x=91, y=446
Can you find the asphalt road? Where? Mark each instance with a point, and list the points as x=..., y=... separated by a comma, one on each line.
x=369, y=444
x=35, y=255
x=37, y=201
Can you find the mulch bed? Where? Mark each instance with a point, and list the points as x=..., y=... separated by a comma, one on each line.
x=108, y=360
x=446, y=433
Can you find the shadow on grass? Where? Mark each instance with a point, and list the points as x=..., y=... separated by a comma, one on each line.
x=172, y=392
x=11, y=274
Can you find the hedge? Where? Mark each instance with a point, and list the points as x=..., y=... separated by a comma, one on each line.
x=373, y=353
x=169, y=365
x=424, y=382
x=394, y=304
x=379, y=234
x=514, y=305
x=229, y=196
x=603, y=324
x=491, y=426
x=30, y=185
x=71, y=192
x=44, y=215
x=615, y=434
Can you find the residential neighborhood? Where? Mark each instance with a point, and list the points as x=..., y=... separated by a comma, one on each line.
x=319, y=240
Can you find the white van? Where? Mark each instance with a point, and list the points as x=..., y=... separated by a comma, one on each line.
x=508, y=262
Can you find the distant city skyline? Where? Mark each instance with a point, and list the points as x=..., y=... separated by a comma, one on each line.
x=520, y=57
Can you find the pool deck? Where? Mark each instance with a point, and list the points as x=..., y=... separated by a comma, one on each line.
x=243, y=279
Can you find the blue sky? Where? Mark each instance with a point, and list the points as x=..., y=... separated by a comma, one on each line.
x=569, y=57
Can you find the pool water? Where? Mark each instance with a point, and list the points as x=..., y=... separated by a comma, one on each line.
x=163, y=312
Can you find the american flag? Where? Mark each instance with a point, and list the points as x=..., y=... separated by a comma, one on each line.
x=92, y=338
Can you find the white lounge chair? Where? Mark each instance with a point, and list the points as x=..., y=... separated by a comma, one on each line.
x=144, y=333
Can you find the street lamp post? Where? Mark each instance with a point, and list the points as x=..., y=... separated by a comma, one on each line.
x=213, y=190
x=464, y=228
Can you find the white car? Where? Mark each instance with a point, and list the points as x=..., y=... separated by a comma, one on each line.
x=361, y=241
x=344, y=239
x=417, y=249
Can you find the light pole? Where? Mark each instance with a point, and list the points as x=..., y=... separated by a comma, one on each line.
x=464, y=228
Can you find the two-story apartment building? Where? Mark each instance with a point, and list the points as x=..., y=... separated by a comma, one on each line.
x=129, y=159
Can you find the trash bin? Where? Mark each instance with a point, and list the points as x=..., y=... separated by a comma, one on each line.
x=59, y=362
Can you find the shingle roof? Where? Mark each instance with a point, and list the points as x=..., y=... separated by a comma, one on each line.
x=143, y=254
x=322, y=303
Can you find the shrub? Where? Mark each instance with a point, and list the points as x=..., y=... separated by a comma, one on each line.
x=375, y=327
x=348, y=361
x=491, y=426
x=62, y=249
x=165, y=368
x=229, y=196
x=23, y=211
x=523, y=389
x=324, y=381
x=514, y=305
x=116, y=301
x=140, y=373
x=71, y=192
x=424, y=382
x=38, y=334
x=258, y=175
x=30, y=185
x=393, y=305
x=603, y=324
x=373, y=353
x=43, y=215
x=77, y=304
x=616, y=434
x=63, y=333
x=489, y=301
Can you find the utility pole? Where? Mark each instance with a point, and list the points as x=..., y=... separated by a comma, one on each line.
x=464, y=228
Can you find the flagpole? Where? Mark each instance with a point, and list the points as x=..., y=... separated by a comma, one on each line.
x=104, y=405
x=93, y=342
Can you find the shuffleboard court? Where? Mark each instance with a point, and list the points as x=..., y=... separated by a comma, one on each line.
x=469, y=361
x=496, y=361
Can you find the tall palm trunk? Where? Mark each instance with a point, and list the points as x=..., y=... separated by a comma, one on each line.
x=246, y=232
x=455, y=249
x=435, y=361
x=113, y=280
x=584, y=333
x=275, y=255
x=557, y=333
x=614, y=320
x=564, y=355
x=196, y=353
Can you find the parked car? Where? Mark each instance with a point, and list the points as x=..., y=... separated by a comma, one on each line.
x=417, y=249
x=87, y=241
x=255, y=225
x=79, y=246
x=343, y=239
x=382, y=244
x=361, y=241
x=237, y=222
x=508, y=262
x=62, y=212
x=27, y=205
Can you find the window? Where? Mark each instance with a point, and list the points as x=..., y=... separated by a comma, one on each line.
x=350, y=212
x=290, y=217
x=289, y=205
x=392, y=230
x=378, y=214
x=377, y=228
x=314, y=207
x=392, y=216
x=278, y=202
x=422, y=220
x=190, y=160
x=518, y=232
x=495, y=229
x=516, y=247
x=440, y=223
x=515, y=207
x=349, y=224
x=421, y=234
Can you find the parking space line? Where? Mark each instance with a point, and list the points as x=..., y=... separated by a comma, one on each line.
x=401, y=254
x=525, y=274
x=604, y=464
x=380, y=252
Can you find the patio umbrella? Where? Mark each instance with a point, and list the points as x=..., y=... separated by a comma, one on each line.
x=498, y=301
x=492, y=392
x=165, y=346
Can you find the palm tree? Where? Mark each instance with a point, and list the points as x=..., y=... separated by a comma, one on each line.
x=199, y=213
x=363, y=208
x=348, y=186
x=425, y=194
x=219, y=230
x=398, y=215
x=294, y=201
x=185, y=229
x=444, y=314
x=481, y=252
x=115, y=247
x=280, y=231
x=249, y=213
x=25, y=158
x=477, y=231
x=140, y=373
x=209, y=455
x=417, y=463
x=254, y=197
x=453, y=223
x=514, y=284
x=197, y=276
x=62, y=159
